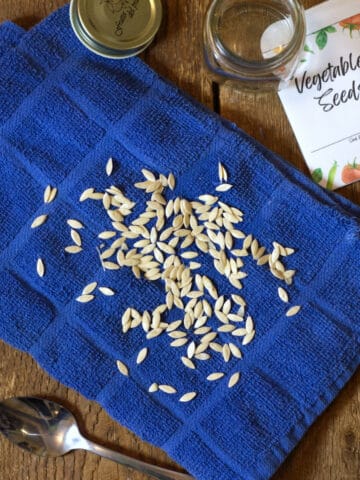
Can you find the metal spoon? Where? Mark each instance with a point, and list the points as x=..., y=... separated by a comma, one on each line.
x=48, y=429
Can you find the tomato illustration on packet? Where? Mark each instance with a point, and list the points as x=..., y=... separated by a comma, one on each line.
x=351, y=172
x=351, y=23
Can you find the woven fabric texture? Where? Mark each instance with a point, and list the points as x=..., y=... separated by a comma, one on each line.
x=10, y=35
x=64, y=112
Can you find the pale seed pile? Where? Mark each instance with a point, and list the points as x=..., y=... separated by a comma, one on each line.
x=165, y=243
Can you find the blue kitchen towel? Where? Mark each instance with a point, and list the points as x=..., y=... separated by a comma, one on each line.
x=248, y=271
x=10, y=34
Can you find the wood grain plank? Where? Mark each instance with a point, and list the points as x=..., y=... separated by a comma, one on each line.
x=177, y=53
x=27, y=13
x=331, y=448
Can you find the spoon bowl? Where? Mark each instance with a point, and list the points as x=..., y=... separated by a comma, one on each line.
x=40, y=426
x=48, y=429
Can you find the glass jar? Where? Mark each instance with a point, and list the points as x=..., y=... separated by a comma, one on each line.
x=254, y=44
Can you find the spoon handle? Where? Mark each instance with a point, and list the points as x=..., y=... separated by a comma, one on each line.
x=152, y=470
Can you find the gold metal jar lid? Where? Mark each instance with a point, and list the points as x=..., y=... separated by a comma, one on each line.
x=116, y=28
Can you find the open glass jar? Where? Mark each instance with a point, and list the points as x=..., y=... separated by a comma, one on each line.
x=254, y=44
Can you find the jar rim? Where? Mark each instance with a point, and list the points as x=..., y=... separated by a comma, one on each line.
x=93, y=35
x=266, y=66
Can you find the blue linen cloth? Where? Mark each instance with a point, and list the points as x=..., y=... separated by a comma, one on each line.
x=64, y=112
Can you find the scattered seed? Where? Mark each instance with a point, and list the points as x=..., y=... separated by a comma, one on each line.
x=40, y=267
x=73, y=249
x=40, y=220
x=85, y=298
x=174, y=325
x=89, y=288
x=53, y=194
x=219, y=303
x=216, y=347
x=106, y=201
x=208, y=199
x=227, y=307
x=188, y=397
x=283, y=294
x=209, y=337
x=254, y=248
x=237, y=234
x=109, y=167
x=222, y=172
x=289, y=274
x=106, y=235
x=188, y=363
x=167, y=389
x=202, y=356
x=108, y=292
x=86, y=194
x=148, y=175
x=191, y=350
x=142, y=356
x=75, y=224
x=234, y=380
x=226, y=352
x=154, y=388
x=171, y=181
x=235, y=350
x=247, y=242
x=154, y=333
x=263, y=260
x=249, y=326
x=224, y=187
x=76, y=238
x=50, y=194
x=240, y=253
x=215, y=376
x=221, y=316
x=189, y=255
x=226, y=328
x=180, y=342
x=240, y=332
x=177, y=334
x=47, y=194
x=111, y=266
x=238, y=300
x=293, y=311
x=248, y=338
x=123, y=369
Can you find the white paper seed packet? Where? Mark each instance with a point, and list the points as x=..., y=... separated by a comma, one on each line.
x=322, y=102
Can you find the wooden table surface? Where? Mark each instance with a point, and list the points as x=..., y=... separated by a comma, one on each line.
x=331, y=449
